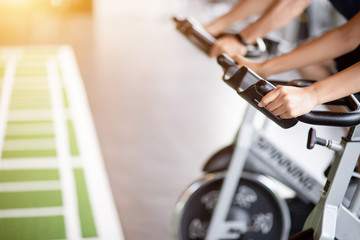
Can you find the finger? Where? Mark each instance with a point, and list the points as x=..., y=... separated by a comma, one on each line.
x=219, y=47
x=269, y=97
x=285, y=115
x=242, y=50
x=235, y=53
x=227, y=50
x=279, y=111
x=239, y=60
x=275, y=104
x=214, y=51
x=236, y=49
x=210, y=29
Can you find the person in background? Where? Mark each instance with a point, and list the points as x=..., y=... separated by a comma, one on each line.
x=275, y=14
x=341, y=43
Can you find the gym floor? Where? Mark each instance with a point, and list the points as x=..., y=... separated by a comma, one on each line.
x=159, y=106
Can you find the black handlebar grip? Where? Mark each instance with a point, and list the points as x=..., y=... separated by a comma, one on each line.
x=225, y=61
x=337, y=119
x=186, y=27
x=196, y=34
x=252, y=88
x=263, y=87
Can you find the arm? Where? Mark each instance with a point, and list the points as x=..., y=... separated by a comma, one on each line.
x=290, y=102
x=242, y=10
x=334, y=43
x=277, y=14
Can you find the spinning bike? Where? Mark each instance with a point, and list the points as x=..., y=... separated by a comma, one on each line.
x=248, y=206
x=334, y=217
x=202, y=195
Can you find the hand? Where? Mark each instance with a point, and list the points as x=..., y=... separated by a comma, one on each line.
x=257, y=67
x=214, y=28
x=289, y=102
x=229, y=45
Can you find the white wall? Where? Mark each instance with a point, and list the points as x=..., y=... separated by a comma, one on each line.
x=131, y=8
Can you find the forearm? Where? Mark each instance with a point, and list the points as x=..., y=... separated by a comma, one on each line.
x=278, y=14
x=337, y=86
x=242, y=10
x=330, y=45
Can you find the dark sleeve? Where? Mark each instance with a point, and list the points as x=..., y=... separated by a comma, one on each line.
x=348, y=8
x=348, y=59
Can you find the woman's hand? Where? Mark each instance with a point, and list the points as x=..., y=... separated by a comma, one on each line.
x=229, y=45
x=214, y=28
x=257, y=67
x=289, y=102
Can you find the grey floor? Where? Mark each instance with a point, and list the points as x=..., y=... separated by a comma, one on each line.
x=160, y=109
x=159, y=106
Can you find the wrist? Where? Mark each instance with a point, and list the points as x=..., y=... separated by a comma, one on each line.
x=249, y=35
x=266, y=69
x=314, y=94
x=214, y=28
x=218, y=26
x=241, y=39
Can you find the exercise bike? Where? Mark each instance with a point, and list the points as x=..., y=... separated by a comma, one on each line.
x=334, y=216
x=195, y=207
x=248, y=207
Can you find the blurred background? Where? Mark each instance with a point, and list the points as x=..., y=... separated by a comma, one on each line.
x=159, y=105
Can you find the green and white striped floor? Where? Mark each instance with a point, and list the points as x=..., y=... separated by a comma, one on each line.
x=52, y=180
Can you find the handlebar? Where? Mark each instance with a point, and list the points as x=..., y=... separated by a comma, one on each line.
x=252, y=88
x=196, y=33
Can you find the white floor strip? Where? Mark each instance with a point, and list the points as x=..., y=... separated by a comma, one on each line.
x=20, y=99
x=72, y=222
x=82, y=239
x=29, y=79
x=6, y=96
x=38, y=86
x=32, y=212
x=25, y=163
x=36, y=163
x=105, y=213
x=77, y=162
x=30, y=186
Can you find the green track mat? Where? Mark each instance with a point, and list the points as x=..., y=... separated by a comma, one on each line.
x=52, y=180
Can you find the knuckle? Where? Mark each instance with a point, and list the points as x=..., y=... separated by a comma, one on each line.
x=280, y=88
x=292, y=114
